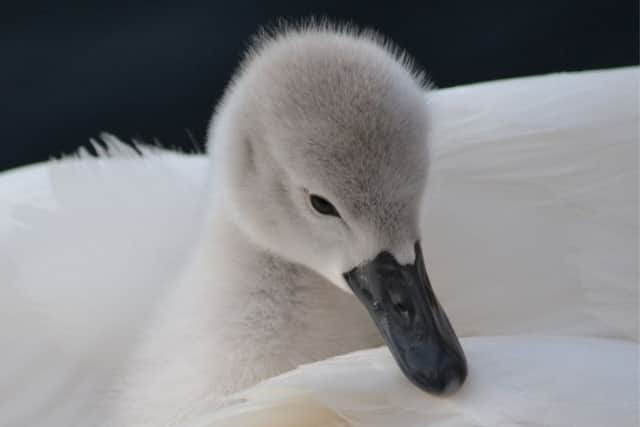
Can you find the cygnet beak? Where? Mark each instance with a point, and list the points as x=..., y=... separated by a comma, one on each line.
x=416, y=329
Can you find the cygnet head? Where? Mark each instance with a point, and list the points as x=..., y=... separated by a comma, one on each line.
x=320, y=156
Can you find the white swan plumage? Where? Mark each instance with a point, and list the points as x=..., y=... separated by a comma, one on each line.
x=530, y=228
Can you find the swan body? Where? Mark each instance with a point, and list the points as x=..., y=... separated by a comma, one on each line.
x=146, y=284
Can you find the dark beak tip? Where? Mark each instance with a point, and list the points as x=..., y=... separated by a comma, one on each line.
x=445, y=384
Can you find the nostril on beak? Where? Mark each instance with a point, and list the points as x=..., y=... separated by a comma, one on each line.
x=404, y=312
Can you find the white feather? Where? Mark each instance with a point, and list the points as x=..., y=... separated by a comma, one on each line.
x=534, y=211
x=88, y=246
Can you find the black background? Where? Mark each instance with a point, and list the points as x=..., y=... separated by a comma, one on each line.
x=154, y=70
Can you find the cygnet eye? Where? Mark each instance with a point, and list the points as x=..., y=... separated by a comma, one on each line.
x=323, y=206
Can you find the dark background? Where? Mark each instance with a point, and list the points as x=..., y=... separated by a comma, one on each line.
x=154, y=70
